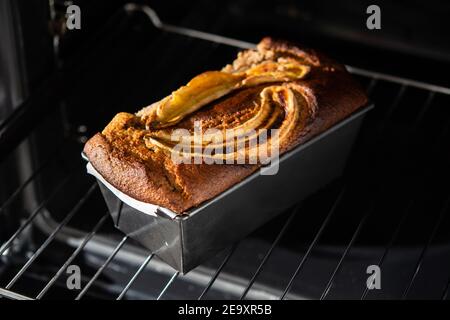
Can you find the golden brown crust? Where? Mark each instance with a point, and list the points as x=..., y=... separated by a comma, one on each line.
x=149, y=175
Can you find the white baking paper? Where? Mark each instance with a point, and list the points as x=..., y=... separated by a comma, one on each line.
x=144, y=207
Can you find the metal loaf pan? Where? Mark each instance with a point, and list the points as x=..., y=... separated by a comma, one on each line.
x=185, y=241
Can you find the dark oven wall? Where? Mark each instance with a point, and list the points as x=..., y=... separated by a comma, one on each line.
x=413, y=40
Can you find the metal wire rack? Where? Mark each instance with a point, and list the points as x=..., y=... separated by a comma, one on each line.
x=374, y=153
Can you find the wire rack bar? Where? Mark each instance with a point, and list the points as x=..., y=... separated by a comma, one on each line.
x=446, y=290
x=216, y=274
x=73, y=256
x=314, y=241
x=344, y=255
x=24, y=185
x=13, y=295
x=52, y=235
x=30, y=218
x=425, y=106
x=35, y=173
x=399, y=80
x=425, y=248
x=135, y=276
x=390, y=243
x=100, y=270
x=372, y=84
x=405, y=215
x=393, y=106
x=171, y=280
x=269, y=252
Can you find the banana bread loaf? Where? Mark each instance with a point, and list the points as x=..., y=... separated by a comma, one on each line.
x=275, y=86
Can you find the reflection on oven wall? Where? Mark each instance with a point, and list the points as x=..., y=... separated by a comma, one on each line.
x=24, y=63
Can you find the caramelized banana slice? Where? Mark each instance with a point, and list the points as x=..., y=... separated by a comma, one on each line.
x=271, y=71
x=201, y=90
x=212, y=85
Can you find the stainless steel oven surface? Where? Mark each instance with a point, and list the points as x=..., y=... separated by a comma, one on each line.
x=379, y=230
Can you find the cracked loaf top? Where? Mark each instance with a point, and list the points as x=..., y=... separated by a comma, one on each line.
x=296, y=91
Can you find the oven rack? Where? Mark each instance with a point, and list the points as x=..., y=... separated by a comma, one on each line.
x=433, y=95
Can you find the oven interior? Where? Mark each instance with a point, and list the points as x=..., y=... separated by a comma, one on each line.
x=390, y=208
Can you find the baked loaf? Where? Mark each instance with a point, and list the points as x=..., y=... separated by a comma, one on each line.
x=275, y=86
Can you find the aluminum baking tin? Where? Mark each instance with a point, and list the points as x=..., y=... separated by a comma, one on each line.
x=185, y=241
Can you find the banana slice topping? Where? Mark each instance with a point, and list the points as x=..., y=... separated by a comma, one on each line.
x=279, y=103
